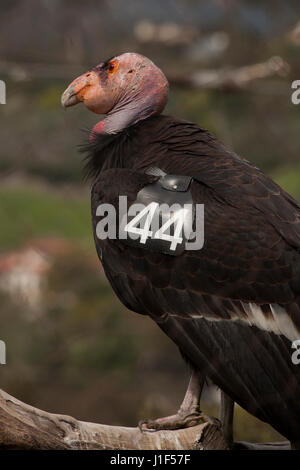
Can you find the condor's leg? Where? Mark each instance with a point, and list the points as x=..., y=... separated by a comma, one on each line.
x=226, y=417
x=189, y=413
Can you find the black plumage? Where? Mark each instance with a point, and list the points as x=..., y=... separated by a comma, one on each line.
x=233, y=308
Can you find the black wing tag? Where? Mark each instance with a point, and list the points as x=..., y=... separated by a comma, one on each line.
x=161, y=218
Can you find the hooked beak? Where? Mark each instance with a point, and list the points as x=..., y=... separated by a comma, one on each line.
x=69, y=97
x=88, y=89
x=76, y=91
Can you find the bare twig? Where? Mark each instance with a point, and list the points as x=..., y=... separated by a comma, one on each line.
x=233, y=78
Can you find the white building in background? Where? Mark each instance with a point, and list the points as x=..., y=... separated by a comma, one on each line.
x=22, y=275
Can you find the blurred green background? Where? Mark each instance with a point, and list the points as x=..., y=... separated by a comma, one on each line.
x=71, y=346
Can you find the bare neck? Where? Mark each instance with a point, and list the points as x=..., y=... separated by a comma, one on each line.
x=127, y=113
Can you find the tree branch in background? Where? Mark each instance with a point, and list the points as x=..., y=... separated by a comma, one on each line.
x=234, y=79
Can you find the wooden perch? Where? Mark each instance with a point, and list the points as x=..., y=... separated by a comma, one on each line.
x=23, y=427
x=28, y=428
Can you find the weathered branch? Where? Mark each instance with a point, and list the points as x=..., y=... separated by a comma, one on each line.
x=25, y=427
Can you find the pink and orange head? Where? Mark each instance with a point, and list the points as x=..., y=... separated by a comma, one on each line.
x=120, y=82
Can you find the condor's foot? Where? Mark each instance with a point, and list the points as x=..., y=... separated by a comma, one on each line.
x=189, y=413
x=177, y=421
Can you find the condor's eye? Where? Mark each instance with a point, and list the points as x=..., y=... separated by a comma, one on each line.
x=111, y=67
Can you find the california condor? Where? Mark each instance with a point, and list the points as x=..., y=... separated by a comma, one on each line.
x=232, y=307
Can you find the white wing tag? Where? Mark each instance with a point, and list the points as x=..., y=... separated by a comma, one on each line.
x=160, y=223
